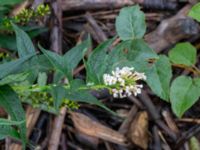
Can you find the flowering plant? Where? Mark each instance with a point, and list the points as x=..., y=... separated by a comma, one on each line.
x=117, y=68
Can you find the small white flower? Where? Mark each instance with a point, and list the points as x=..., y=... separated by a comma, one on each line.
x=125, y=81
x=109, y=80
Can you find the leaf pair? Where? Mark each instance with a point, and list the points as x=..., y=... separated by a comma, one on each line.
x=184, y=91
x=66, y=63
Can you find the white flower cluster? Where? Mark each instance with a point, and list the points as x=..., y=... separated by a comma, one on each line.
x=123, y=82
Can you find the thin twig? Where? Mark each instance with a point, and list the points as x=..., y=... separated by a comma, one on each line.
x=99, y=33
x=126, y=123
x=56, y=131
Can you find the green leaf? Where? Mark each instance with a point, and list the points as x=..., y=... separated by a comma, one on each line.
x=118, y=56
x=184, y=92
x=9, y=41
x=25, y=47
x=12, y=105
x=70, y=60
x=130, y=24
x=159, y=76
x=11, y=67
x=183, y=53
x=140, y=51
x=195, y=11
x=13, y=78
x=97, y=62
x=133, y=53
x=43, y=64
x=6, y=122
x=8, y=131
x=57, y=61
x=75, y=55
x=24, y=43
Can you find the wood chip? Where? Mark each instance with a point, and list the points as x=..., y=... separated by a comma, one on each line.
x=138, y=131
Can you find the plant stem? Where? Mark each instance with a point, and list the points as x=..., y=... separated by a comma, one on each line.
x=36, y=88
x=192, y=69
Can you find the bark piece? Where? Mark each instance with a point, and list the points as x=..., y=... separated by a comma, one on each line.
x=160, y=4
x=172, y=30
x=90, y=127
x=68, y=5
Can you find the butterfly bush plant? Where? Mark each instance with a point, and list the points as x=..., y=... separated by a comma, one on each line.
x=117, y=68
